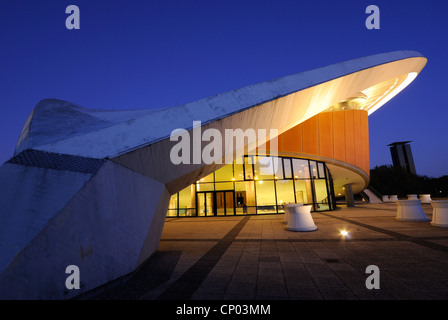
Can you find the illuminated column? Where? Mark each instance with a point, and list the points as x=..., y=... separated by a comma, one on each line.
x=349, y=198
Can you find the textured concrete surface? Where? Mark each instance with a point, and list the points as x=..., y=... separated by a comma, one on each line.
x=255, y=257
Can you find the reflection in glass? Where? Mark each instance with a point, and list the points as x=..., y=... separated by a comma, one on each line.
x=264, y=168
x=301, y=169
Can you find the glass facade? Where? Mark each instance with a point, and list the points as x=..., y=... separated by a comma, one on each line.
x=257, y=185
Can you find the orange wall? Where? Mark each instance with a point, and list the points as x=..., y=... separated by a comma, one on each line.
x=341, y=135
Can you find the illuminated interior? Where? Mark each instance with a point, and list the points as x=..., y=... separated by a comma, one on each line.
x=371, y=99
x=260, y=185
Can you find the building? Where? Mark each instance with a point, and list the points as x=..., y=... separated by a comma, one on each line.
x=92, y=188
x=402, y=156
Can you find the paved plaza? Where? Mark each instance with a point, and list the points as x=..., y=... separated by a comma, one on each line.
x=256, y=258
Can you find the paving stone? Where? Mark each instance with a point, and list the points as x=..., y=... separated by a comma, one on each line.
x=254, y=257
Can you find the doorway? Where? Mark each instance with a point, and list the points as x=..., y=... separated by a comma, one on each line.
x=216, y=203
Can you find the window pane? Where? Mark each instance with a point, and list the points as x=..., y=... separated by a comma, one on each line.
x=239, y=171
x=204, y=186
x=321, y=169
x=303, y=191
x=224, y=186
x=265, y=193
x=173, y=202
x=208, y=178
x=301, y=169
x=288, y=169
x=248, y=168
x=264, y=168
x=171, y=213
x=265, y=197
x=285, y=193
x=320, y=187
x=224, y=174
x=186, y=197
x=245, y=197
x=278, y=167
x=313, y=167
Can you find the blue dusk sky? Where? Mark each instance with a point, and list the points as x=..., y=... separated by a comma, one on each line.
x=151, y=54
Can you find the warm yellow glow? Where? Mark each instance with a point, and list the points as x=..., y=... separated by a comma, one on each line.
x=260, y=182
x=392, y=92
x=256, y=178
x=372, y=98
x=233, y=179
x=344, y=233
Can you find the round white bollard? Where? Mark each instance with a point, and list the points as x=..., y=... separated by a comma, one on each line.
x=300, y=219
x=439, y=213
x=426, y=198
x=410, y=210
x=393, y=197
x=288, y=207
x=412, y=197
x=385, y=198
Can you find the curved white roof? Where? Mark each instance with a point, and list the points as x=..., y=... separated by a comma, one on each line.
x=63, y=127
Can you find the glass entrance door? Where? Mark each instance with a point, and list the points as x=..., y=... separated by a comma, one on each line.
x=216, y=203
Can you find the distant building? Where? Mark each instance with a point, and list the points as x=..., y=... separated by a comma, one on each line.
x=402, y=155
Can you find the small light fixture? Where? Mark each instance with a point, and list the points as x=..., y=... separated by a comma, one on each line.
x=344, y=233
x=233, y=179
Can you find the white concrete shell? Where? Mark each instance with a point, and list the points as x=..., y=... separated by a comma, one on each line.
x=107, y=219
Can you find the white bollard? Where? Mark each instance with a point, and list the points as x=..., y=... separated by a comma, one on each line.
x=300, y=219
x=426, y=198
x=439, y=213
x=393, y=197
x=412, y=197
x=385, y=198
x=410, y=210
x=288, y=207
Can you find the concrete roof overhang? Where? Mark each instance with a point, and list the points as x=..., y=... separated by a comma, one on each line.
x=139, y=139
